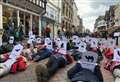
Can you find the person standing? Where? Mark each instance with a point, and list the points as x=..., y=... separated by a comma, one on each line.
x=21, y=33
x=48, y=31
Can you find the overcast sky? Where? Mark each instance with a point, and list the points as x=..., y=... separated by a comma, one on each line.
x=89, y=10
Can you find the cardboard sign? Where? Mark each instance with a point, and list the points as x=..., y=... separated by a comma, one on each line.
x=30, y=33
x=88, y=60
x=82, y=47
x=88, y=39
x=75, y=38
x=31, y=39
x=48, y=43
x=111, y=43
x=117, y=34
x=38, y=40
x=64, y=38
x=11, y=40
x=94, y=43
x=89, y=56
x=57, y=40
x=17, y=50
x=116, y=56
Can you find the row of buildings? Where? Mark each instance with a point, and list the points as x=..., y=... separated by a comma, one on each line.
x=61, y=14
x=109, y=23
x=36, y=15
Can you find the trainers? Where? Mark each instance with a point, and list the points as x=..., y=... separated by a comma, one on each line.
x=41, y=73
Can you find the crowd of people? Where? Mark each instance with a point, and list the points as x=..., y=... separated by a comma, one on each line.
x=87, y=52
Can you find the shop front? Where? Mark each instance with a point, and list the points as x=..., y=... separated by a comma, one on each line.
x=47, y=22
x=25, y=14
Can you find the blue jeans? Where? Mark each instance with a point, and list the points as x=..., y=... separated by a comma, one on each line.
x=42, y=54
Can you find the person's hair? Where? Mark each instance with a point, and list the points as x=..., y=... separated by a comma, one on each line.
x=41, y=73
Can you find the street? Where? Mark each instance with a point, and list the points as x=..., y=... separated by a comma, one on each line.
x=60, y=76
x=50, y=36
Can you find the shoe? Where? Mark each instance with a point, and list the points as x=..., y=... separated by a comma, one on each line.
x=41, y=73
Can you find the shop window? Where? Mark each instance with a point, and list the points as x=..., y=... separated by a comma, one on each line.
x=9, y=21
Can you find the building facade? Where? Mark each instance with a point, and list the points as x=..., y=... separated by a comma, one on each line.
x=80, y=26
x=100, y=26
x=51, y=18
x=117, y=16
x=75, y=18
x=25, y=12
x=67, y=15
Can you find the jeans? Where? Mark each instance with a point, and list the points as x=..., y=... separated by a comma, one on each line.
x=42, y=54
x=54, y=64
x=77, y=68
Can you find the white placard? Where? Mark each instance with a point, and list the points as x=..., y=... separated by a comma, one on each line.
x=31, y=39
x=117, y=34
x=30, y=33
x=48, y=43
x=17, y=50
x=116, y=56
x=38, y=40
x=82, y=47
x=88, y=39
x=94, y=43
x=88, y=60
x=111, y=43
x=11, y=40
x=75, y=38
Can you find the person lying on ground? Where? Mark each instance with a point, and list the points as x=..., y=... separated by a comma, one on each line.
x=55, y=62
